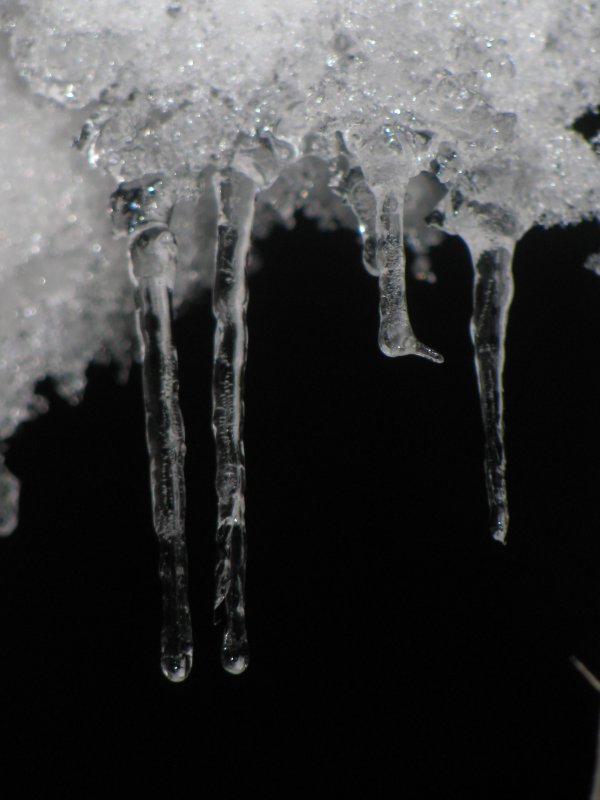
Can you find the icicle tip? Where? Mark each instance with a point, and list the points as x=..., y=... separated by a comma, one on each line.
x=176, y=668
x=394, y=347
x=234, y=654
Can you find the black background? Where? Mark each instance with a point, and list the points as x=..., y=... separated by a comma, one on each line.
x=393, y=643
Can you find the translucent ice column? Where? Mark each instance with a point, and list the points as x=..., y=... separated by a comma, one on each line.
x=144, y=206
x=236, y=196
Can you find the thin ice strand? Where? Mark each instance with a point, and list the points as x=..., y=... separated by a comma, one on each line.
x=492, y=295
x=9, y=500
x=236, y=196
x=349, y=183
x=153, y=251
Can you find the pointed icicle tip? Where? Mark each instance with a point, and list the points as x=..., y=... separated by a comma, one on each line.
x=409, y=347
x=9, y=500
x=492, y=296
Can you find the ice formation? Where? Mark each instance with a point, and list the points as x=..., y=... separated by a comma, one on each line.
x=205, y=124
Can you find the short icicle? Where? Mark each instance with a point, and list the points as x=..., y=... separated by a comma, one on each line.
x=349, y=183
x=595, y=793
x=9, y=500
x=144, y=206
x=492, y=295
x=396, y=336
x=595, y=684
x=236, y=196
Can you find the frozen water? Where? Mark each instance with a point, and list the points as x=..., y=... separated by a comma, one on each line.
x=486, y=93
x=144, y=209
x=230, y=298
x=352, y=110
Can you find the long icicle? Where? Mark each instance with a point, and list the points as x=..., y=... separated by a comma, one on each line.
x=396, y=336
x=153, y=251
x=492, y=295
x=236, y=196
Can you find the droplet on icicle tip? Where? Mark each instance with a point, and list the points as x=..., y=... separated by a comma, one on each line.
x=176, y=668
x=234, y=653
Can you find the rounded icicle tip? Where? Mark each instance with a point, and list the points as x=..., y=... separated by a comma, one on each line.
x=9, y=500
x=176, y=668
x=234, y=664
x=234, y=652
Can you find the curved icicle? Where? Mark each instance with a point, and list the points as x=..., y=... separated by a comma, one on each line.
x=492, y=295
x=236, y=196
x=153, y=251
x=396, y=336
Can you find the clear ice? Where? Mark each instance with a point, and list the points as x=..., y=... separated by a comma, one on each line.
x=348, y=180
x=236, y=198
x=396, y=336
x=492, y=295
x=142, y=208
x=337, y=108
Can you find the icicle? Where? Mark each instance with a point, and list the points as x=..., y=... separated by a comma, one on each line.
x=350, y=184
x=595, y=795
x=595, y=684
x=492, y=295
x=146, y=207
x=236, y=195
x=396, y=336
x=9, y=500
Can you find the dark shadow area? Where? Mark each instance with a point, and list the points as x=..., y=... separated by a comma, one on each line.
x=588, y=124
x=394, y=646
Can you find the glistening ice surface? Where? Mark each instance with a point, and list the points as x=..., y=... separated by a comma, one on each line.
x=238, y=115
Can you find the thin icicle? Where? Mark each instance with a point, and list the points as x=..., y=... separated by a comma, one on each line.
x=350, y=184
x=153, y=251
x=492, y=295
x=396, y=336
x=595, y=794
x=9, y=500
x=236, y=195
x=595, y=684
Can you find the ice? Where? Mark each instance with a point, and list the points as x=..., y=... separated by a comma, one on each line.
x=373, y=115
x=9, y=500
x=492, y=295
x=396, y=336
x=483, y=96
x=144, y=209
x=236, y=197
